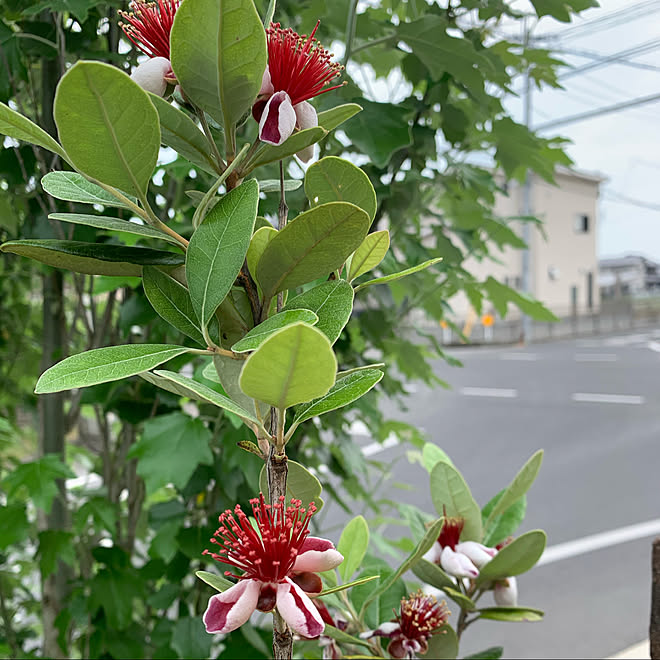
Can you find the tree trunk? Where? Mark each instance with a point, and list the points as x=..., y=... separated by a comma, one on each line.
x=654, y=628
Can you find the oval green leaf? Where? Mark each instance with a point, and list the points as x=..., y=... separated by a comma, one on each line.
x=443, y=644
x=370, y=253
x=330, y=119
x=529, y=614
x=219, y=55
x=333, y=179
x=353, y=544
x=258, y=243
x=74, y=187
x=103, y=365
x=108, y=125
x=516, y=558
x=273, y=185
x=312, y=245
x=294, y=365
x=92, y=258
x=432, y=574
x=114, y=224
x=451, y=494
x=297, y=142
x=218, y=583
x=331, y=301
x=15, y=125
x=261, y=332
x=397, y=276
x=218, y=247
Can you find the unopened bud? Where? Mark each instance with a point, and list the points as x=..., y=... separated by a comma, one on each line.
x=153, y=75
x=506, y=592
x=477, y=553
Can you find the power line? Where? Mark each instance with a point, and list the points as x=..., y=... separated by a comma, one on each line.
x=624, y=199
x=599, y=57
x=571, y=119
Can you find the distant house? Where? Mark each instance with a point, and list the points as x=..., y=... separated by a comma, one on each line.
x=563, y=264
x=632, y=275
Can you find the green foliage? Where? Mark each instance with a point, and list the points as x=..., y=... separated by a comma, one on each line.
x=353, y=544
x=15, y=125
x=255, y=337
x=370, y=253
x=74, y=187
x=511, y=614
x=516, y=558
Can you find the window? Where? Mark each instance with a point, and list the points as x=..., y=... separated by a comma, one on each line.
x=581, y=224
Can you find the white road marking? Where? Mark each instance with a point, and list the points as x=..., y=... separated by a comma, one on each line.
x=498, y=392
x=588, y=397
x=599, y=541
x=595, y=357
x=626, y=340
x=654, y=346
x=522, y=357
x=378, y=447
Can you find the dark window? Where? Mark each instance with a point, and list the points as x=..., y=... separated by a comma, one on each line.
x=581, y=224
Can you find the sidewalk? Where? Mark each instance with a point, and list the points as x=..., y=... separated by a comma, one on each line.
x=639, y=651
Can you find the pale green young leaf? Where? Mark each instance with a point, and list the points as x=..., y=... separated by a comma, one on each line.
x=397, y=276
x=92, y=258
x=312, y=245
x=261, y=332
x=528, y=614
x=333, y=179
x=330, y=119
x=216, y=581
x=15, y=125
x=370, y=253
x=331, y=301
x=258, y=243
x=114, y=224
x=74, y=187
x=451, y=496
x=273, y=185
x=346, y=372
x=353, y=545
x=294, y=365
x=347, y=585
x=102, y=365
x=515, y=558
x=431, y=454
x=108, y=125
x=218, y=247
x=219, y=55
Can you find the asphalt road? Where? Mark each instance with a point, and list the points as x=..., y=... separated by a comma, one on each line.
x=594, y=406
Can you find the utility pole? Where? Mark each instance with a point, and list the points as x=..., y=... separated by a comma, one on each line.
x=526, y=279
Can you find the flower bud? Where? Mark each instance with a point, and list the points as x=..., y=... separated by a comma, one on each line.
x=457, y=564
x=477, y=553
x=506, y=592
x=152, y=75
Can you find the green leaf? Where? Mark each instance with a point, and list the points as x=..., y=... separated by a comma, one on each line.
x=500, y=295
x=348, y=585
x=78, y=8
x=443, y=644
x=181, y=133
x=345, y=390
x=102, y=365
x=451, y=494
x=431, y=454
x=229, y=371
x=114, y=591
x=39, y=480
x=114, y=224
x=344, y=638
x=380, y=130
x=511, y=614
x=460, y=599
x=331, y=301
x=170, y=449
x=562, y=10
x=55, y=545
x=301, y=485
x=273, y=185
x=15, y=524
x=518, y=487
x=15, y=125
x=330, y=119
x=297, y=142
x=190, y=639
x=294, y=365
x=353, y=544
x=74, y=187
x=92, y=258
x=108, y=125
x=258, y=243
x=504, y=525
x=333, y=179
x=397, y=276
x=200, y=392
x=218, y=583
x=364, y=367
x=218, y=247
x=261, y=332
x=516, y=558
x=171, y=301
x=312, y=245
x=219, y=55
x=491, y=653
x=370, y=253
x=432, y=574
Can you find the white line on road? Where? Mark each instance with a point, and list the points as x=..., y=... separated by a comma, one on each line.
x=654, y=346
x=377, y=447
x=522, y=357
x=595, y=357
x=588, y=397
x=499, y=392
x=599, y=541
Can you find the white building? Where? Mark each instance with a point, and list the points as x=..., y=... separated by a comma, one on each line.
x=632, y=275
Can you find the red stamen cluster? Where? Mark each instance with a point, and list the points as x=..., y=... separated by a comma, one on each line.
x=299, y=65
x=268, y=556
x=148, y=25
x=450, y=533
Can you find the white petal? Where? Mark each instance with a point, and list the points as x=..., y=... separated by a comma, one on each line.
x=477, y=553
x=150, y=75
x=298, y=610
x=232, y=608
x=457, y=564
x=266, y=85
x=278, y=119
x=433, y=555
x=306, y=117
x=506, y=592
x=317, y=555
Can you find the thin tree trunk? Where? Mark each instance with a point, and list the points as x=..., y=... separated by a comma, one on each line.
x=654, y=628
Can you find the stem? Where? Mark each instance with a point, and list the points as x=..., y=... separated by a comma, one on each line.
x=350, y=30
x=282, y=215
x=373, y=42
x=153, y=220
x=209, y=136
x=10, y=633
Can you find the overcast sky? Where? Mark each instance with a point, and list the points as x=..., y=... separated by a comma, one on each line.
x=625, y=146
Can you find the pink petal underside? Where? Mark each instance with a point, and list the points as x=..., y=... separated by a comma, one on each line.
x=298, y=610
x=266, y=84
x=457, y=564
x=306, y=117
x=317, y=555
x=278, y=119
x=232, y=608
x=477, y=553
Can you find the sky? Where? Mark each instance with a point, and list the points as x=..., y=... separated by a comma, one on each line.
x=624, y=147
